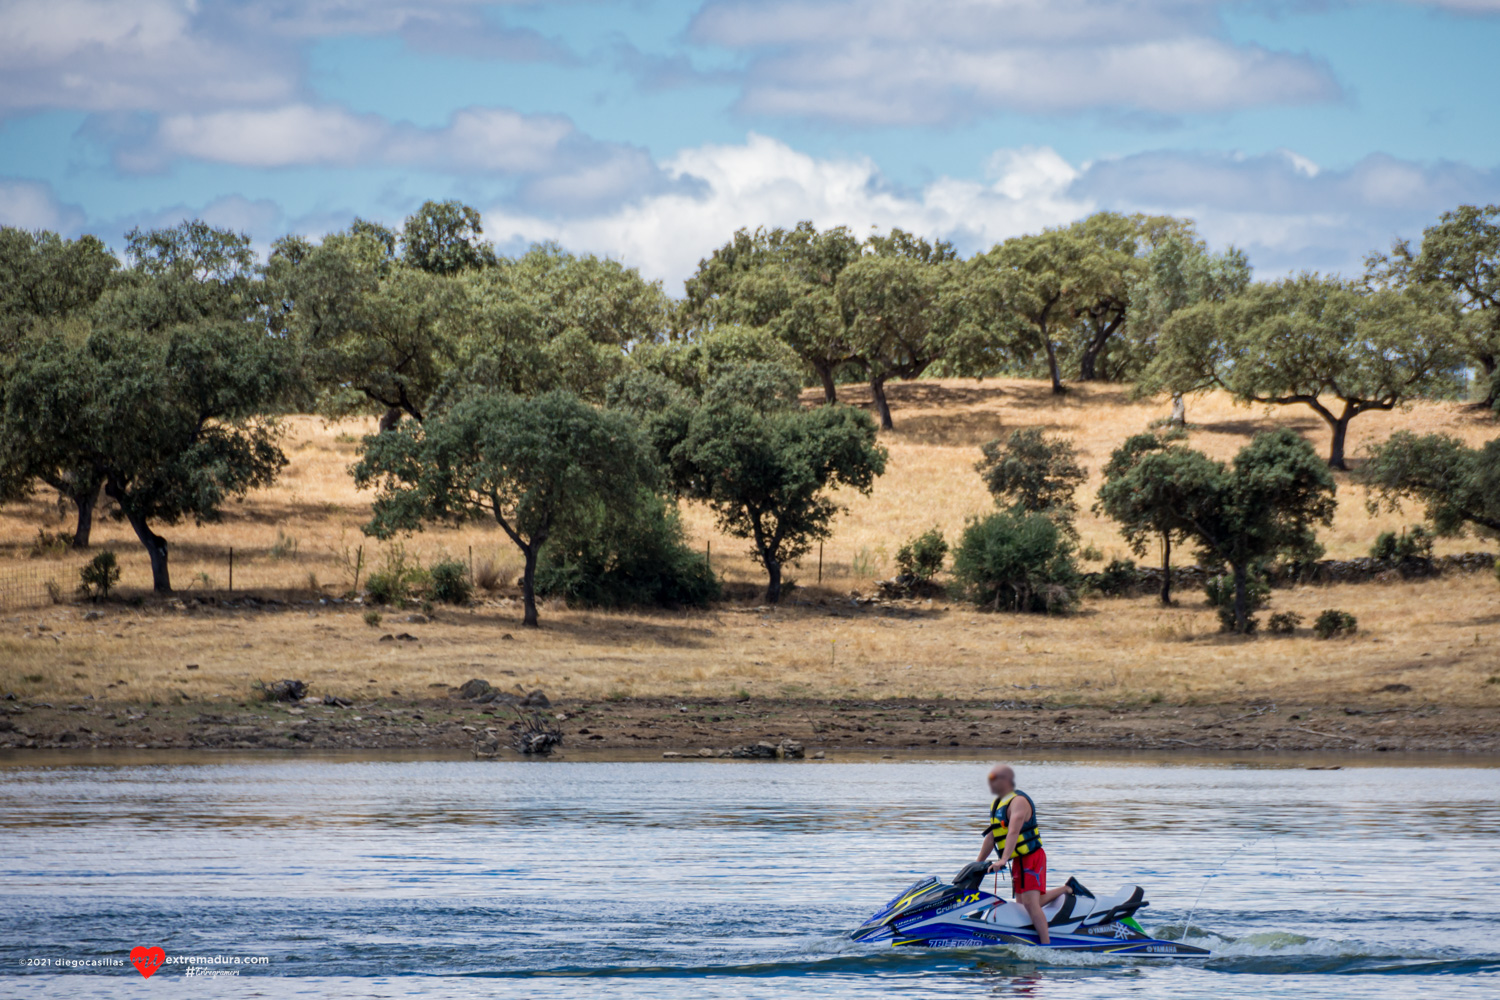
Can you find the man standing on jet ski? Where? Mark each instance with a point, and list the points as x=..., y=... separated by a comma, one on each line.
x=1013, y=829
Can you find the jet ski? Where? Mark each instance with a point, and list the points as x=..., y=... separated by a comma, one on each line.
x=933, y=913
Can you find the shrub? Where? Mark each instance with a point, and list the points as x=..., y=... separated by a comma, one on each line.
x=397, y=577
x=1412, y=543
x=1333, y=623
x=372, y=617
x=448, y=582
x=99, y=576
x=50, y=544
x=285, y=546
x=1284, y=622
x=1220, y=593
x=1017, y=561
x=634, y=554
x=1119, y=577
x=922, y=557
x=489, y=574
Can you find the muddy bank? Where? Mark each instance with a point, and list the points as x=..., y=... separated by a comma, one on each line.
x=665, y=726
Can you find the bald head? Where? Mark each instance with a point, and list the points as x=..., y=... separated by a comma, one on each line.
x=1002, y=779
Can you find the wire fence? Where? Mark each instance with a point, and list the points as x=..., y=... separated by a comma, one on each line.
x=41, y=583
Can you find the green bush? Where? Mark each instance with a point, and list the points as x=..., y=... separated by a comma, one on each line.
x=1119, y=577
x=1333, y=623
x=372, y=617
x=1016, y=561
x=1220, y=593
x=1284, y=622
x=448, y=582
x=99, y=576
x=922, y=557
x=396, y=579
x=633, y=555
x=1414, y=543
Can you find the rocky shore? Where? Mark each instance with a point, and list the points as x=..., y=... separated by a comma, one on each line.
x=484, y=723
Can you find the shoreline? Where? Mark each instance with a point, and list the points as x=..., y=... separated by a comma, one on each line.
x=702, y=728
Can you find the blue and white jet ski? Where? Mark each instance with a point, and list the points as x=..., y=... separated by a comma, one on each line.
x=932, y=913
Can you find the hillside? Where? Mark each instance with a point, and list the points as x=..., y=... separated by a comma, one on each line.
x=1437, y=638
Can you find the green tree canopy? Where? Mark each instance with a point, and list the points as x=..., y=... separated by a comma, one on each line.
x=1270, y=500
x=782, y=280
x=1458, y=485
x=44, y=278
x=551, y=319
x=1461, y=255
x=1178, y=272
x=370, y=330
x=1320, y=342
x=1148, y=485
x=1030, y=472
x=535, y=465
x=182, y=274
x=904, y=308
x=1068, y=289
x=767, y=473
x=172, y=423
x=441, y=237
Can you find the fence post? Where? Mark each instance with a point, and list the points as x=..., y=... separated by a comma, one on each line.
x=820, y=562
x=708, y=554
x=231, y=569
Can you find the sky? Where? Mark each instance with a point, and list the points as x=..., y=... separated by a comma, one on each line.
x=1308, y=134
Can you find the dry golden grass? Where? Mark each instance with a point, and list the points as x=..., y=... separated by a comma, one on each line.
x=1440, y=637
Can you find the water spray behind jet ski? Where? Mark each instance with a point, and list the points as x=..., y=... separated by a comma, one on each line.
x=933, y=913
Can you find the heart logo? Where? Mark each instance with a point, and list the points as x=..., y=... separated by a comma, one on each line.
x=147, y=960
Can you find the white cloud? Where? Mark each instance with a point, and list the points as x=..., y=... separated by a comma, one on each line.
x=765, y=182
x=909, y=62
x=32, y=205
x=184, y=55
x=1287, y=212
x=1287, y=216
x=474, y=139
x=108, y=55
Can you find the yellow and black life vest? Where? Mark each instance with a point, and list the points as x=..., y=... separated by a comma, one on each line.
x=1029, y=839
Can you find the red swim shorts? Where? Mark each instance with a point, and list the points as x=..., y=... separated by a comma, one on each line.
x=1028, y=872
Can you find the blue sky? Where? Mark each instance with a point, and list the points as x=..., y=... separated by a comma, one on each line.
x=1308, y=133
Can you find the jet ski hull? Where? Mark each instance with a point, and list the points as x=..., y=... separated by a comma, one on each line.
x=936, y=914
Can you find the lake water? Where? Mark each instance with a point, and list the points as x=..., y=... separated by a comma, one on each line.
x=401, y=878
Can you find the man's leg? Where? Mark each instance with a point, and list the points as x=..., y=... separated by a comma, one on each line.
x=1032, y=900
x=1051, y=894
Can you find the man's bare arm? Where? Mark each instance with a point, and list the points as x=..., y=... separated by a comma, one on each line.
x=986, y=847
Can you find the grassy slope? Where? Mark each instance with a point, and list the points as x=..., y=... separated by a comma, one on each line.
x=1439, y=637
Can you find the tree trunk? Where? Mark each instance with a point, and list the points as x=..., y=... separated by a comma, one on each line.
x=877, y=388
x=1086, y=364
x=1179, y=411
x=825, y=375
x=390, y=418
x=156, y=549
x=1490, y=365
x=773, y=585
x=1057, y=386
x=1336, y=451
x=1241, y=599
x=85, y=523
x=1166, y=569
x=528, y=587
